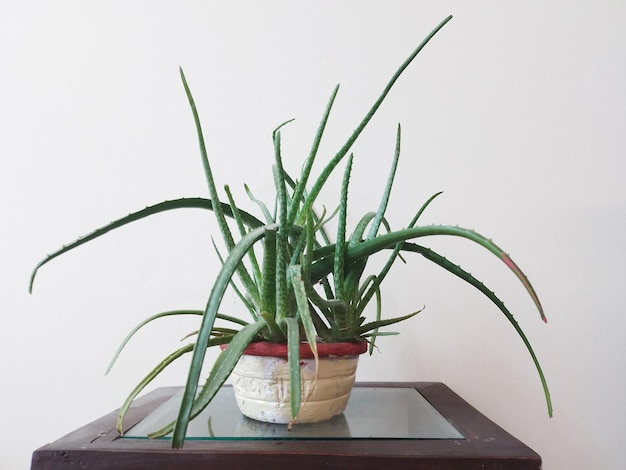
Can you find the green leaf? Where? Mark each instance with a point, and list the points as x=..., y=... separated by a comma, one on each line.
x=302, y=302
x=282, y=252
x=144, y=323
x=381, y=323
x=375, y=332
x=375, y=286
x=242, y=231
x=227, y=236
x=300, y=189
x=340, y=246
x=184, y=203
x=145, y=381
x=359, y=230
x=219, y=288
x=275, y=333
x=266, y=213
x=467, y=277
x=367, y=248
x=208, y=173
x=293, y=358
x=279, y=183
x=222, y=368
x=423, y=208
x=384, y=201
x=282, y=291
x=328, y=169
x=154, y=373
x=246, y=301
x=268, y=289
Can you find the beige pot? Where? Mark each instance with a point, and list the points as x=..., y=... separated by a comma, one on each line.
x=262, y=388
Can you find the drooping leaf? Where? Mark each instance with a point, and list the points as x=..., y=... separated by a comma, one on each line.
x=145, y=381
x=367, y=248
x=144, y=323
x=467, y=277
x=184, y=203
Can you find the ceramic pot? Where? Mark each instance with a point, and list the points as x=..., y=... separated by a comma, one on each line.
x=261, y=381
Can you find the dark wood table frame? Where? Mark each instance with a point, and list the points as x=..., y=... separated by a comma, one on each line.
x=98, y=446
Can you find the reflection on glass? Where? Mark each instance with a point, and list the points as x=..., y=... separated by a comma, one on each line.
x=372, y=413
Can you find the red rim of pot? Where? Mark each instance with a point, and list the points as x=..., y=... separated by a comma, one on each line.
x=265, y=348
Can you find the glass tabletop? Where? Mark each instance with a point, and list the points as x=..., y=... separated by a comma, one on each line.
x=372, y=413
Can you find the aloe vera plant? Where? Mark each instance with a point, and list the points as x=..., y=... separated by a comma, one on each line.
x=297, y=284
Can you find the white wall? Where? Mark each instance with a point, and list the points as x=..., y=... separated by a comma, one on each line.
x=516, y=110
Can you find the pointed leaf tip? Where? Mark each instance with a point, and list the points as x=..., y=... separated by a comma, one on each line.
x=522, y=277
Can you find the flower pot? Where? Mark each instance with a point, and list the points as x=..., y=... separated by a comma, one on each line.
x=261, y=381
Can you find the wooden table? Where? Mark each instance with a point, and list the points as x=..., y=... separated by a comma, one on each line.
x=485, y=445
